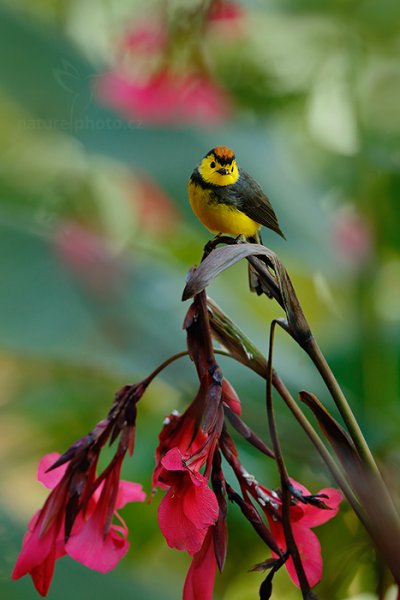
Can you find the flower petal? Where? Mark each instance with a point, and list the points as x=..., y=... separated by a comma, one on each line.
x=52, y=478
x=179, y=531
x=37, y=557
x=129, y=491
x=200, y=505
x=173, y=460
x=43, y=574
x=298, y=486
x=95, y=550
x=309, y=549
x=310, y=554
x=314, y=516
x=199, y=582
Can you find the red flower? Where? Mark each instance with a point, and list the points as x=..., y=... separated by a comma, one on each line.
x=189, y=507
x=178, y=433
x=199, y=582
x=94, y=540
x=304, y=517
x=166, y=98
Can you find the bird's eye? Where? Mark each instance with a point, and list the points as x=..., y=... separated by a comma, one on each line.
x=212, y=165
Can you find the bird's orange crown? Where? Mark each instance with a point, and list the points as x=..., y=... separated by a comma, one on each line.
x=223, y=154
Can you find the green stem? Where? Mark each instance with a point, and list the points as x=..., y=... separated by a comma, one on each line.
x=313, y=350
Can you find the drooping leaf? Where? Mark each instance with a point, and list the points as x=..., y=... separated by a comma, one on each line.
x=218, y=261
x=244, y=430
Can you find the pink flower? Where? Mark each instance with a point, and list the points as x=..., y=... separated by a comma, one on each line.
x=155, y=211
x=226, y=20
x=147, y=37
x=304, y=517
x=88, y=257
x=189, y=507
x=166, y=98
x=94, y=541
x=43, y=542
x=352, y=236
x=222, y=10
x=98, y=543
x=199, y=582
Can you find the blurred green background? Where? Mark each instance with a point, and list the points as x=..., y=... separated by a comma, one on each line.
x=96, y=237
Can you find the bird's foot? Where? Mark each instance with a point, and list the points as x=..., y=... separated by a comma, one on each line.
x=219, y=239
x=211, y=244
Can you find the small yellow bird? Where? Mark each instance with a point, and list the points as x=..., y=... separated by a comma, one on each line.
x=229, y=201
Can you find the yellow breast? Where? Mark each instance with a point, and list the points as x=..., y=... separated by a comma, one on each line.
x=219, y=217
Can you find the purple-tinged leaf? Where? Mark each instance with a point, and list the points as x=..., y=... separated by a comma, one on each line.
x=266, y=565
x=216, y=262
x=220, y=529
x=253, y=516
x=244, y=430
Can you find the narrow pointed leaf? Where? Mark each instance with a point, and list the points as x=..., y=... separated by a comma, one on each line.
x=245, y=431
x=265, y=565
x=335, y=434
x=252, y=515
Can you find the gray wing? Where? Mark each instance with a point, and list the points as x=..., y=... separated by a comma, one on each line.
x=254, y=203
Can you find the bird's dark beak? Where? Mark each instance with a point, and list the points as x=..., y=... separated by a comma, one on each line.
x=223, y=171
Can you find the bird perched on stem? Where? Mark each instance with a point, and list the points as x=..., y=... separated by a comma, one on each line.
x=227, y=200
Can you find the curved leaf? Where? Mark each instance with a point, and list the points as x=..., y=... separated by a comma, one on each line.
x=279, y=286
